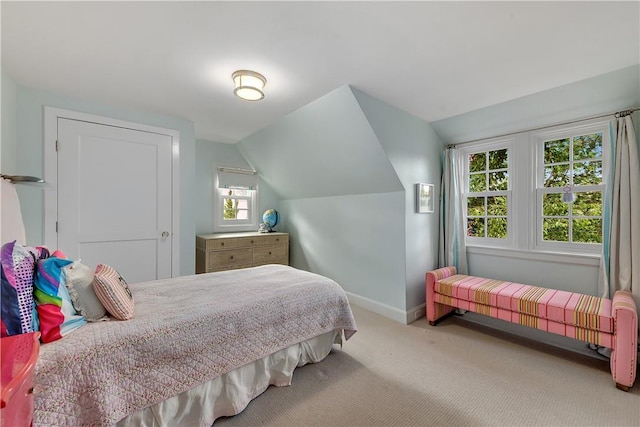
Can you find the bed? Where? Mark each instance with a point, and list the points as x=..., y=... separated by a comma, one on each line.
x=199, y=347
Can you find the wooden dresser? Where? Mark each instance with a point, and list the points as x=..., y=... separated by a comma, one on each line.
x=228, y=251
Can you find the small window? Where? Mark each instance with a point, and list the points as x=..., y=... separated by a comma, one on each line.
x=488, y=195
x=236, y=204
x=236, y=200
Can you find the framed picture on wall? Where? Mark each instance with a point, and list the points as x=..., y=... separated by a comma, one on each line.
x=424, y=198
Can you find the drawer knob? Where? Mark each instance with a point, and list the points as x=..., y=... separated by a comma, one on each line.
x=221, y=243
x=269, y=253
x=231, y=257
x=277, y=239
x=252, y=241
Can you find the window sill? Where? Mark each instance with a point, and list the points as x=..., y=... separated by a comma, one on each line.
x=557, y=257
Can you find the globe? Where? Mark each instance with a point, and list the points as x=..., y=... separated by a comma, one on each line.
x=271, y=218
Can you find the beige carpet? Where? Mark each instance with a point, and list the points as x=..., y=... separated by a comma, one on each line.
x=454, y=374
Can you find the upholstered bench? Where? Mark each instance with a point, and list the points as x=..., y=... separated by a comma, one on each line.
x=608, y=323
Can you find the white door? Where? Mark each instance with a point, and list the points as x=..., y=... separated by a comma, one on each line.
x=114, y=198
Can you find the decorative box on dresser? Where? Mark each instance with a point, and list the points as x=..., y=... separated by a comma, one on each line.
x=228, y=251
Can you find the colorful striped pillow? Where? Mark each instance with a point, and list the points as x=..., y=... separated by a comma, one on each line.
x=113, y=292
x=53, y=303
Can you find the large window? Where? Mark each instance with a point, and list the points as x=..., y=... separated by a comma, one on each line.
x=570, y=186
x=487, y=194
x=537, y=191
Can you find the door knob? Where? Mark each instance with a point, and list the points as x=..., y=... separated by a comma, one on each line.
x=165, y=234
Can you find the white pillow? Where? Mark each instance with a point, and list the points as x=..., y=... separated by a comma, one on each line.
x=80, y=286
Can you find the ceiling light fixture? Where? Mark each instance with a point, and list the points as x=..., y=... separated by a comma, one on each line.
x=249, y=85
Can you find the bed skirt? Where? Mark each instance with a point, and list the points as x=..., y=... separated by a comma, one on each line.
x=229, y=394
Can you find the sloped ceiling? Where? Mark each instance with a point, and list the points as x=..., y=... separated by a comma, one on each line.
x=326, y=148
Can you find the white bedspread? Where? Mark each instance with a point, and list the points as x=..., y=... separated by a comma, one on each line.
x=186, y=331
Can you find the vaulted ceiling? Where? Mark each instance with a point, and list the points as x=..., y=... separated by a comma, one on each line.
x=431, y=59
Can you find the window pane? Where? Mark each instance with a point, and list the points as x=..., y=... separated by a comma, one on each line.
x=497, y=205
x=587, y=230
x=243, y=204
x=587, y=173
x=556, y=176
x=477, y=182
x=556, y=151
x=475, y=206
x=477, y=162
x=243, y=214
x=552, y=205
x=229, y=209
x=555, y=229
x=497, y=228
x=588, y=203
x=498, y=181
x=475, y=227
x=587, y=146
x=498, y=159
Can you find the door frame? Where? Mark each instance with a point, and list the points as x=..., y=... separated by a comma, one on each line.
x=50, y=132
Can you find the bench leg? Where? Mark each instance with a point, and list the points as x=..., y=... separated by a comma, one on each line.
x=449, y=314
x=622, y=387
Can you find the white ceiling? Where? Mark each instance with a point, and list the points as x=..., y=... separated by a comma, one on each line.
x=431, y=59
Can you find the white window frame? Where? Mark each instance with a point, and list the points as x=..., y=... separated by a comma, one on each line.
x=220, y=224
x=486, y=146
x=526, y=170
x=559, y=132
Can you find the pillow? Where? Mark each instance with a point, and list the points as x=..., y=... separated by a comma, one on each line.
x=79, y=283
x=113, y=292
x=53, y=302
x=16, y=287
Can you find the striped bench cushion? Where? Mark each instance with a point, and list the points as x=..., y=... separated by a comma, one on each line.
x=570, y=308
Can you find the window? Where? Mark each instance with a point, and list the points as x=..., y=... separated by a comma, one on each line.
x=538, y=191
x=487, y=194
x=235, y=205
x=570, y=188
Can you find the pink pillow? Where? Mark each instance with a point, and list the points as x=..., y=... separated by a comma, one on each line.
x=113, y=292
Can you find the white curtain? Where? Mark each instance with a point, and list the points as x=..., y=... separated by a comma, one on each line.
x=620, y=261
x=452, y=249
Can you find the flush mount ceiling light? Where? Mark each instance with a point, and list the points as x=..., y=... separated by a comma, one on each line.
x=249, y=85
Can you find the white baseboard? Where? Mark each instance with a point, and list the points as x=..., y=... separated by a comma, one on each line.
x=404, y=317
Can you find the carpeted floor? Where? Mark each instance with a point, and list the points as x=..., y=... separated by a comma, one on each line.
x=454, y=374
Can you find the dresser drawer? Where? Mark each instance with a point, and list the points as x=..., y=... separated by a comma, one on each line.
x=277, y=239
x=228, y=258
x=214, y=244
x=277, y=254
x=249, y=242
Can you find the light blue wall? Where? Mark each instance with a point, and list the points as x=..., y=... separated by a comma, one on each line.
x=326, y=148
x=210, y=155
x=342, y=201
x=345, y=167
x=8, y=146
x=29, y=159
x=414, y=150
x=357, y=240
x=599, y=95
